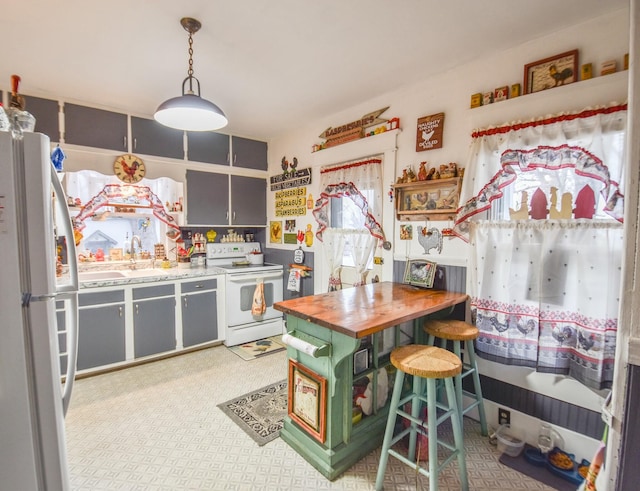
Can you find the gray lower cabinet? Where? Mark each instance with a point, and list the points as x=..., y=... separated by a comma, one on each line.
x=152, y=138
x=101, y=338
x=93, y=127
x=154, y=322
x=199, y=312
x=248, y=201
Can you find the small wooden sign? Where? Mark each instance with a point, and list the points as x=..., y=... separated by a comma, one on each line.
x=430, y=129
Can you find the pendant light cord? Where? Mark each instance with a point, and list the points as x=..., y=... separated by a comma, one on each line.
x=190, y=70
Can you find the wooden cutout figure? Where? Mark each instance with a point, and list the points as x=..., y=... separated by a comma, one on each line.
x=565, y=211
x=539, y=210
x=585, y=203
x=521, y=213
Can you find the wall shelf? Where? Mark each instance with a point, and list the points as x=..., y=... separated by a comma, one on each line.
x=436, y=199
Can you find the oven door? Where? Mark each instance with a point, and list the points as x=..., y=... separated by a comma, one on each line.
x=240, y=290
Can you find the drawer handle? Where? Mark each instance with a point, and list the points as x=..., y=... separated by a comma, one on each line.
x=200, y=286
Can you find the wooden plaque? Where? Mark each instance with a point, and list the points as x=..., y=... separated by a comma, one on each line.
x=430, y=129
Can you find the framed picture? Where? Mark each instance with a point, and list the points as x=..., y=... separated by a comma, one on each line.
x=275, y=232
x=307, y=399
x=551, y=72
x=360, y=361
x=430, y=130
x=419, y=272
x=421, y=200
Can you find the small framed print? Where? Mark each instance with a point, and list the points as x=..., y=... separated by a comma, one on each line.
x=419, y=272
x=561, y=69
x=586, y=71
x=501, y=94
x=307, y=403
x=515, y=91
x=360, y=361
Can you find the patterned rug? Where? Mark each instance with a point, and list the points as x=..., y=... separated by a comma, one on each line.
x=260, y=414
x=250, y=351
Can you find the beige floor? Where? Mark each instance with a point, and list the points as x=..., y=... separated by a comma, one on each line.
x=157, y=427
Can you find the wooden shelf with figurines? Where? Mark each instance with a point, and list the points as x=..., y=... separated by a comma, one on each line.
x=428, y=195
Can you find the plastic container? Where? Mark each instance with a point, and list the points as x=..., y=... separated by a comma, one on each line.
x=508, y=441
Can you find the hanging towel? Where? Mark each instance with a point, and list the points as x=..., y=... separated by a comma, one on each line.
x=293, y=284
x=258, y=306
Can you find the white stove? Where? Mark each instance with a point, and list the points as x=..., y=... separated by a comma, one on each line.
x=241, y=282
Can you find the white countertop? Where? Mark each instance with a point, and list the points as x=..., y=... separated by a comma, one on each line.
x=97, y=278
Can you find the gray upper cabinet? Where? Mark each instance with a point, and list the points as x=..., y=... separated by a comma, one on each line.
x=208, y=147
x=251, y=154
x=46, y=112
x=152, y=138
x=207, y=198
x=95, y=127
x=248, y=201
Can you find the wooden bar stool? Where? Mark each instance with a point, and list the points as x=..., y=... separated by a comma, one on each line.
x=459, y=331
x=427, y=364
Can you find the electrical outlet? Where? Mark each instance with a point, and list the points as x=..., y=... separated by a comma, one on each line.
x=504, y=416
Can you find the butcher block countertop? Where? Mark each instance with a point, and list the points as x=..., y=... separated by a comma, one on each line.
x=364, y=310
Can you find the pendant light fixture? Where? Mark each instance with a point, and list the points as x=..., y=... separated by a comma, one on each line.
x=189, y=111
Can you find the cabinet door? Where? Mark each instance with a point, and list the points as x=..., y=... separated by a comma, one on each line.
x=154, y=326
x=248, y=201
x=199, y=318
x=46, y=112
x=152, y=138
x=207, y=198
x=101, y=338
x=95, y=127
x=251, y=154
x=207, y=146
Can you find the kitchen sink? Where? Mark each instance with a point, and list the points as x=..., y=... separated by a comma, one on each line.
x=100, y=275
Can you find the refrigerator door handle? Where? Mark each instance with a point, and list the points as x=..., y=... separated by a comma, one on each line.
x=72, y=348
x=67, y=229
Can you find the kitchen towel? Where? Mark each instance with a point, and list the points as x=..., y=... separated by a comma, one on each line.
x=258, y=306
x=293, y=283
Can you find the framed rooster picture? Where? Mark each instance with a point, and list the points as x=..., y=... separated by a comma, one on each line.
x=551, y=72
x=430, y=130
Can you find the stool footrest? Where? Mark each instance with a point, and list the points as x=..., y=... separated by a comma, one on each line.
x=417, y=466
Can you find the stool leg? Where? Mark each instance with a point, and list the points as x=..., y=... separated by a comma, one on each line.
x=415, y=412
x=458, y=435
x=432, y=428
x=471, y=353
x=388, y=433
x=458, y=382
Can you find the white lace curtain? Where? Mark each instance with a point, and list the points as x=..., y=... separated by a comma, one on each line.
x=361, y=182
x=544, y=291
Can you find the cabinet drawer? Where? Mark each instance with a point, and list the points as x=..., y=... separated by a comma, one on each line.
x=98, y=298
x=153, y=291
x=198, y=286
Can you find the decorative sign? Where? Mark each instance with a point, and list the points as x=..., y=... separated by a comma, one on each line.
x=430, y=129
x=291, y=179
x=291, y=202
x=353, y=130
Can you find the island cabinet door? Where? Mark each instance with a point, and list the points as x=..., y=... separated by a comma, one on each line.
x=207, y=198
x=154, y=323
x=93, y=127
x=248, y=200
x=208, y=147
x=152, y=138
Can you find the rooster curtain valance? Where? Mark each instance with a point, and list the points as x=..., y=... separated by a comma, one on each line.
x=542, y=206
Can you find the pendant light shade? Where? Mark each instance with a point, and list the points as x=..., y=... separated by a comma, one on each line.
x=189, y=111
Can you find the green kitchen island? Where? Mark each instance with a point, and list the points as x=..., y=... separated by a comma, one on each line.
x=324, y=332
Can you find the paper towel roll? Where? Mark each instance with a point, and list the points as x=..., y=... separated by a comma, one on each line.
x=299, y=344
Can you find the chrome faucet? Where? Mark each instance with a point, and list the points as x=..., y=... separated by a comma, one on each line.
x=132, y=261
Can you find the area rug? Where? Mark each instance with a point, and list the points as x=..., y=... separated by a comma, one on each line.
x=251, y=351
x=260, y=414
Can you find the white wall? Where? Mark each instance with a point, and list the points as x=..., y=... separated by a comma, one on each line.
x=599, y=40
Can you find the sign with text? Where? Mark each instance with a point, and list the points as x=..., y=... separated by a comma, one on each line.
x=430, y=129
x=291, y=202
x=292, y=179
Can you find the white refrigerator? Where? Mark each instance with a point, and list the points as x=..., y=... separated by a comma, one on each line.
x=33, y=397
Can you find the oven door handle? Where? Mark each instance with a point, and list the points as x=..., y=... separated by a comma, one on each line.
x=243, y=277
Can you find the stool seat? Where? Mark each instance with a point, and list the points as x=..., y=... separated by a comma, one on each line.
x=426, y=361
x=451, y=329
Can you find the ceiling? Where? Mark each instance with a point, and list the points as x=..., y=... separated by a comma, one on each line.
x=270, y=65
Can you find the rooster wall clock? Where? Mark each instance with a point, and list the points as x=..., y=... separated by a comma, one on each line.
x=129, y=168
